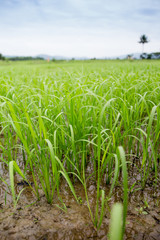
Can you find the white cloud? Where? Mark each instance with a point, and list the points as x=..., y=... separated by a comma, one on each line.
x=78, y=28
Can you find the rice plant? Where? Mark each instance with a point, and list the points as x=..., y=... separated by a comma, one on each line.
x=57, y=121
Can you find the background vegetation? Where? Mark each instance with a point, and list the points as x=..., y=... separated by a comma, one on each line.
x=63, y=117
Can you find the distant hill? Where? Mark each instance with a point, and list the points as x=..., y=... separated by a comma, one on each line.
x=155, y=55
x=45, y=56
x=134, y=55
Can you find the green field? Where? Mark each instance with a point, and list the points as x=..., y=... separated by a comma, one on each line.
x=62, y=117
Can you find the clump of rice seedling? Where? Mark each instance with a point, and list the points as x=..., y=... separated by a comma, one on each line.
x=57, y=122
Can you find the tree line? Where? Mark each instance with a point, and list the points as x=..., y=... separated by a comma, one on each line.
x=2, y=57
x=19, y=58
x=24, y=58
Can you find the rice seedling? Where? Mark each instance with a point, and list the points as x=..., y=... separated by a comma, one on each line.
x=61, y=122
x=14, y=167
x=116, y=222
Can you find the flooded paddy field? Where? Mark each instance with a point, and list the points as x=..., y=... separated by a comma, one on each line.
x=75, y=138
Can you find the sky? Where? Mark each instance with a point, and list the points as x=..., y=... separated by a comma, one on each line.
x=78, y=28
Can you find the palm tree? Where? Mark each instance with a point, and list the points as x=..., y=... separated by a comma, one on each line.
x=143, y=40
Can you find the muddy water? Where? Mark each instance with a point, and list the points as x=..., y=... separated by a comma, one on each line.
x=38, y=220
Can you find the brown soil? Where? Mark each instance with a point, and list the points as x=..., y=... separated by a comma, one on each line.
x=39, y=220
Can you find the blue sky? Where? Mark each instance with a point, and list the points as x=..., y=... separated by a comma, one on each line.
x=91, y=28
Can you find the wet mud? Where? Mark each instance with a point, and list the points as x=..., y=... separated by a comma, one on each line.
x=66, y=219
